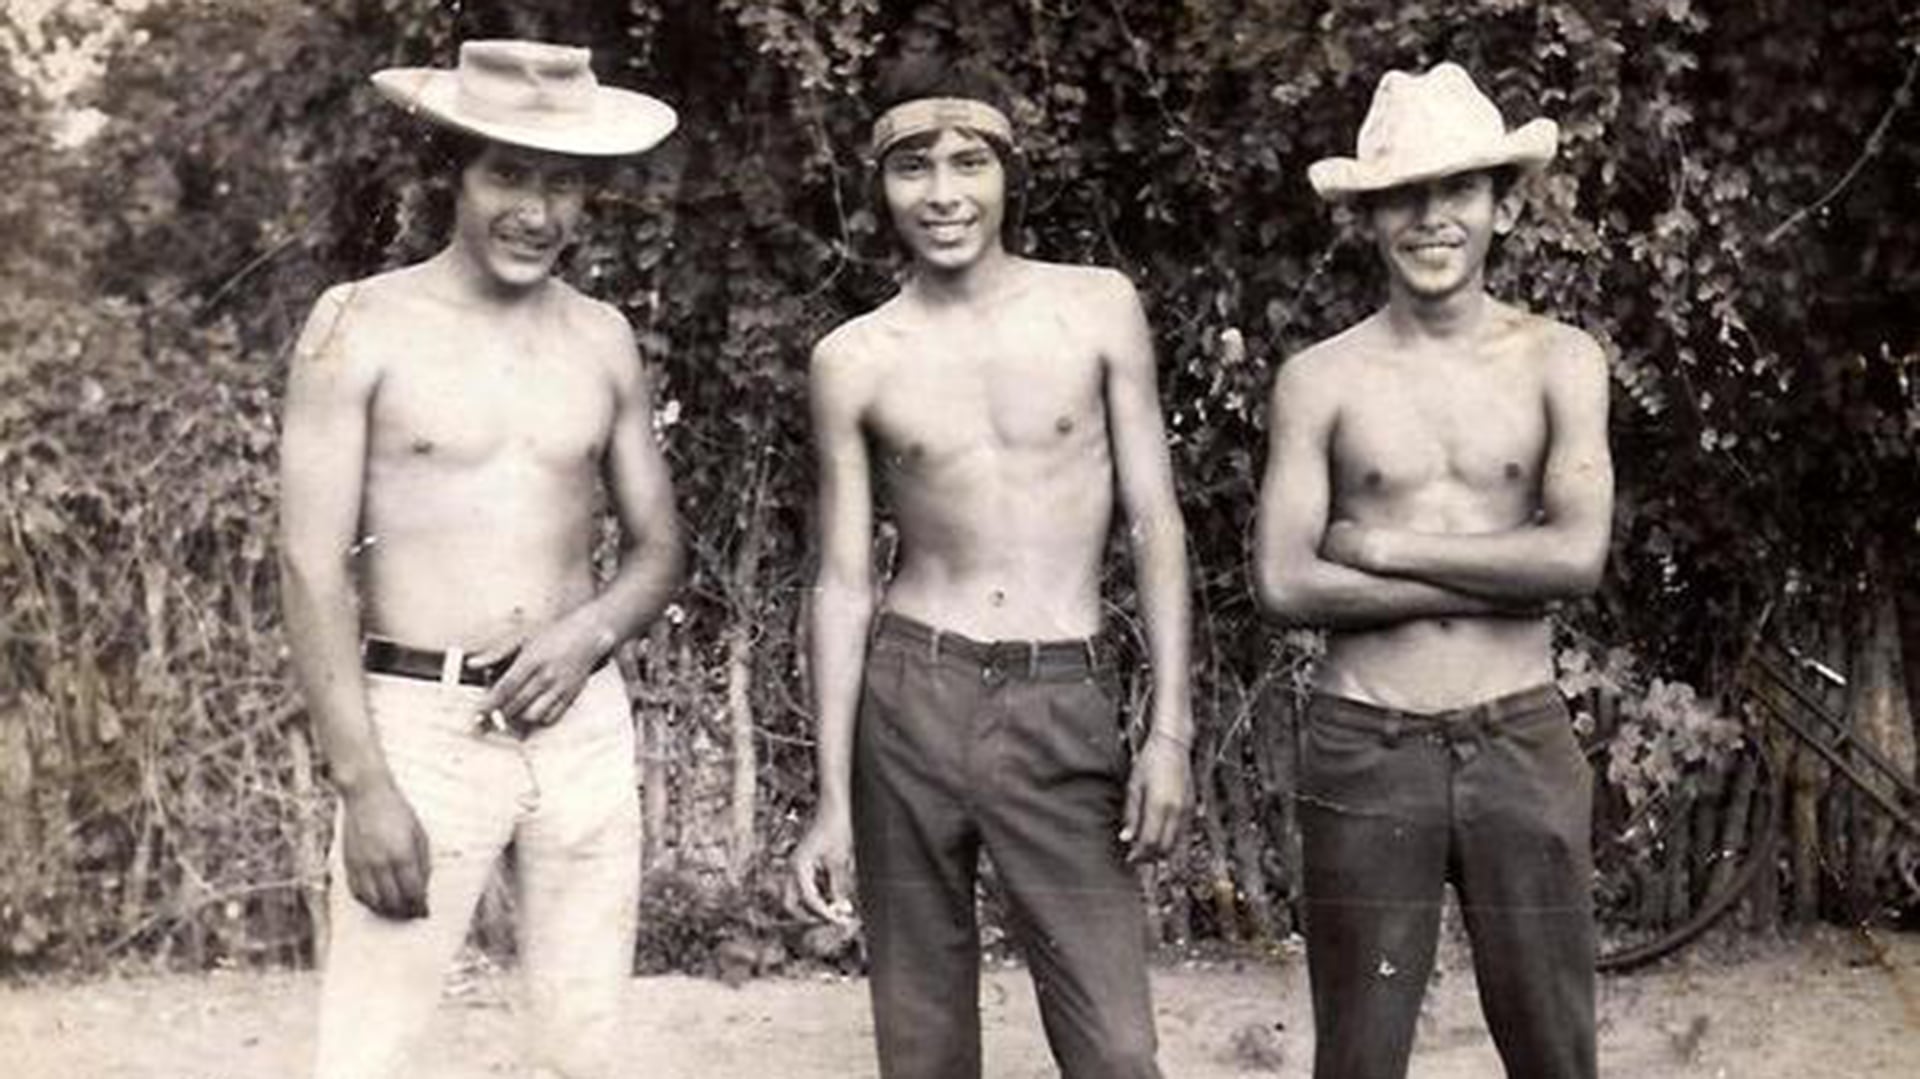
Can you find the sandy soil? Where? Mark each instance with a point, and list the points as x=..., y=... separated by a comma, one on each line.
x=1829, y=1004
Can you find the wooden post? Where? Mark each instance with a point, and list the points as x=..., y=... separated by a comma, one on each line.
x=1276, y=752
x=1763, y=899
x=1675, y=887
x=1213, y=832
x=1877, y=715
x=1734, y=846
x=654, y=705
x=17, y=832
x=1807, y=774
x=743, y=842
x=310, y=860
x=1244, y=837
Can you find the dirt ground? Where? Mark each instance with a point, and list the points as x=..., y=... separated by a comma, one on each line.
x=1827, y=1004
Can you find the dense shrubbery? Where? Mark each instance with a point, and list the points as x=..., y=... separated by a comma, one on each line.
x=1731, y=212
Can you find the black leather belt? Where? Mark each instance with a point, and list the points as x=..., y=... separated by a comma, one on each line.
x=382, y=656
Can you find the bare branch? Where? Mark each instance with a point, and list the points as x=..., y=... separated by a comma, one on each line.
x=1875, y=142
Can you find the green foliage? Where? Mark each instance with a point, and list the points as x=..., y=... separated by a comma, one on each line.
x=1730, y=214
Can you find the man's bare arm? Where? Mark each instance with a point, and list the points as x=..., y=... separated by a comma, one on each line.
x=555, y=662
x=642, y=494
x=1560, y=554
x=322, y=459
x=1295, y=582
x=1154, y=525
x=842, y=611
x=1157, y=796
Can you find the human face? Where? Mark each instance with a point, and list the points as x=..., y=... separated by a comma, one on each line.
x=516, y=211
x=947, y=198
x=1434, y=235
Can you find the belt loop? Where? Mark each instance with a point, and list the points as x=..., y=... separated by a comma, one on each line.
x=1093, y=660
x=450, y=664
x=1033, y=660
x=933, y=645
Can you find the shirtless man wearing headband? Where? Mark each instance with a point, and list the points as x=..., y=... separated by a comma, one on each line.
x=972, y=705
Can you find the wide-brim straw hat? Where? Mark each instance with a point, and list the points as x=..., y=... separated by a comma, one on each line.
x=1420, y=127
x=532, y=94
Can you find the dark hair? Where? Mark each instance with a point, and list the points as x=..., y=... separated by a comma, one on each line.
x=921, y=74
x=1505, y=178
x=432, y=184
x=441, y=156
x=447, y=151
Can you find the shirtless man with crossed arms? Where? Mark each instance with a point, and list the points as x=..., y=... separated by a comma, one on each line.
x=451, y=429
x=1002, y=402
x=1438, y=474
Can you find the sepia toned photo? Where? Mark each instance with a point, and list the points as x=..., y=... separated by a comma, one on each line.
x=941, y=538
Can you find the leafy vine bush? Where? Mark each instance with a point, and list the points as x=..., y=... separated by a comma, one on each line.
x=1663, y=732
x=1729, y=214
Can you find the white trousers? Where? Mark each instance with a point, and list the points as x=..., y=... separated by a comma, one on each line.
x=565, y=796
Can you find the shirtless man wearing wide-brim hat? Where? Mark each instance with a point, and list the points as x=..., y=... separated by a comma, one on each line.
x=453, y=429
x=1439, y=474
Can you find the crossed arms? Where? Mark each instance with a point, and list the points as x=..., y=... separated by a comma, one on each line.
x=1343, y=575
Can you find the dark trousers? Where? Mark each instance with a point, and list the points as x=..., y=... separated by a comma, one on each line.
x=1496, y=799
x=1014, y=749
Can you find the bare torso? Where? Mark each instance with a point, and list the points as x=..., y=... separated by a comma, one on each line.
x=1441, y=441
x=484, y=445
x=990, y=437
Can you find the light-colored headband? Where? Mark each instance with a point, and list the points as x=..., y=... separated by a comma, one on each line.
x=921, y=115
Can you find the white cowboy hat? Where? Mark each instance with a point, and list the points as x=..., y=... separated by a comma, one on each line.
x=1423, y=126
x=531, y=94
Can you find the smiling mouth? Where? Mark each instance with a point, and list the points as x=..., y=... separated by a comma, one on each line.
x=1431, y=254
x=527, y=247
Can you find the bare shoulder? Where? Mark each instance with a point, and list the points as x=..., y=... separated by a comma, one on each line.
x=847, y=365
x=1325, y=369
x=1094, y=290
x=1575, y=351
x=349, y=322
x=372, y=307
x=602, y=331
x=1567, y=355
x=857, y=350
x=602, y=320
x=1559, y=346
x=326, y=322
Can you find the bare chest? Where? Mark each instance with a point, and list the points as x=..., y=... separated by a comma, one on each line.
x=1484, y=430
x=1033, y=394
x=441, y=404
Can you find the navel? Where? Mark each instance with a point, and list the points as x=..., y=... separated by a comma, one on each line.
x=421, y=446
x=1513, y=470
x=1373, y=477
x=1064, y=424
x=997, y=597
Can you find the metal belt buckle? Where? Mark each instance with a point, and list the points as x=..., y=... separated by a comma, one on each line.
x=452, y=661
